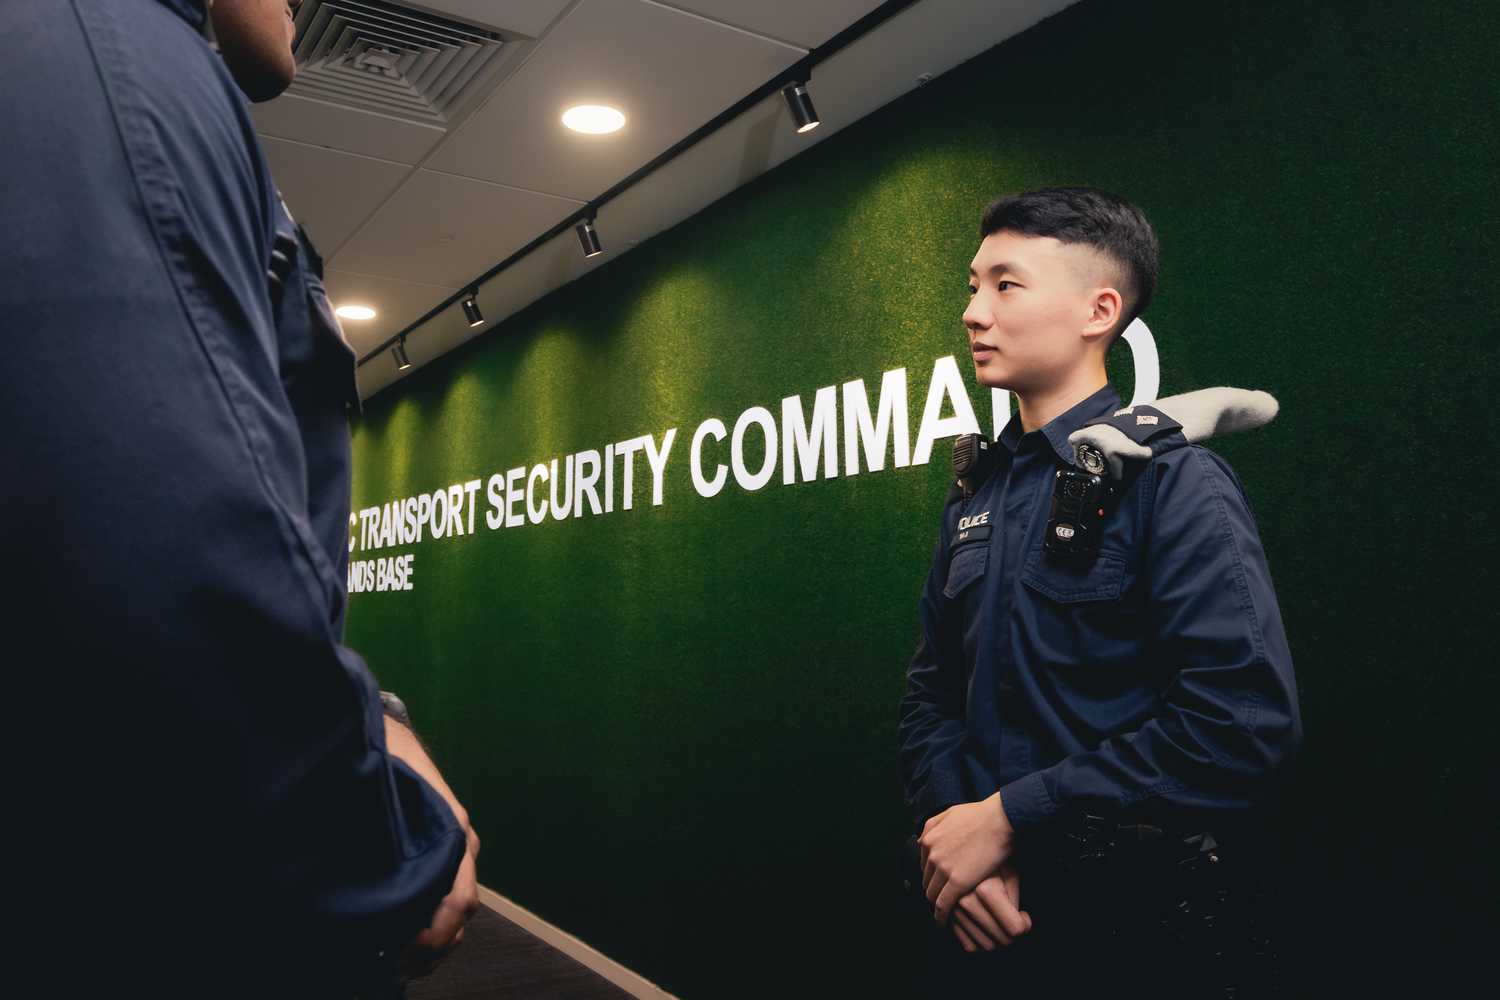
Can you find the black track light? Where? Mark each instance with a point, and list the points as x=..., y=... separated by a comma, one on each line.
x=589, y=237
x=799, y=102
x=402, y=361
x=471, y=310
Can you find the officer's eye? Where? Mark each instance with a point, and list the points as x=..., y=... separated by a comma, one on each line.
x=973, y=290
x=1002, y=286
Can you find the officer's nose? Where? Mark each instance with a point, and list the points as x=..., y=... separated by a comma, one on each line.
x=976, y=318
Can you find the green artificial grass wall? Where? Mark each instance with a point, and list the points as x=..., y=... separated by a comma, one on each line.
x=675, y=725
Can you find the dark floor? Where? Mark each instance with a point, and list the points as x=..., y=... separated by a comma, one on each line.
x=499, y=961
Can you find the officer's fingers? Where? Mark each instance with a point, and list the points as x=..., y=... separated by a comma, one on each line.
x=973, y=930
x=964, y=939
x=935, y=887
x=994, y=897
x=972, y=911
x=434, y=942
x=947, y=897
x=1013, y=888
x=1012, y=879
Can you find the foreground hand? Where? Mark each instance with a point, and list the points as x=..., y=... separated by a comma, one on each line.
x=446, y=929
x=962, y=846
x=991, y=915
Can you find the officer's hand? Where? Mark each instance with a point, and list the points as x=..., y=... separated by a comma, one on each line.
x=446, y=928
x=991, y=915
x=961, y=847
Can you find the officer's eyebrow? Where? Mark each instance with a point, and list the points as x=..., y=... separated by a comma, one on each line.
x=1000, y=268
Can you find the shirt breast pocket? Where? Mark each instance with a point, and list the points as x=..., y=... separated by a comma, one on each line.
x=1072, y=582
x=1081, y=617
x=967, y=565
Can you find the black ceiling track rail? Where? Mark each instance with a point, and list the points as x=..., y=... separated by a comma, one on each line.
x=798, y=71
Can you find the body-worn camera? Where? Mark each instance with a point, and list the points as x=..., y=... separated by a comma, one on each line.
x=1080, y=499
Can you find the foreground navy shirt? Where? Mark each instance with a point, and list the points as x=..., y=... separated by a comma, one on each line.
x=205, y=759
x=1159, y=673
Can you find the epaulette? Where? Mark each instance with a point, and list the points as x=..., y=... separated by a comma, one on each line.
x=1145, y=425
x=1140, y=432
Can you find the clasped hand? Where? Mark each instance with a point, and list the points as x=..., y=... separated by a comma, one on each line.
x=967, y=874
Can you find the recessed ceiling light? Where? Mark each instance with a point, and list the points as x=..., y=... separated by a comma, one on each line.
x=355, y=312
x=593, y=119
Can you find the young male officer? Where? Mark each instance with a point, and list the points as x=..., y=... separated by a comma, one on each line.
x=1103, y=729
x=209, y=769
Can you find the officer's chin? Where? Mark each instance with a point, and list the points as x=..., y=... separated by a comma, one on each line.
x=261, y=83
x=991, y=377
x=262, y=64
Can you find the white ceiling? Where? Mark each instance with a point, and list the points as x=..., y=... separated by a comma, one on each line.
x=406, y=213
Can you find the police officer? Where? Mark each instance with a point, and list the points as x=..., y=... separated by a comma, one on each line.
x=198, y=756
x=1089, y=740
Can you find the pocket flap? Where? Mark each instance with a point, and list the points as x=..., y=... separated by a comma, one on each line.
x=968, y=565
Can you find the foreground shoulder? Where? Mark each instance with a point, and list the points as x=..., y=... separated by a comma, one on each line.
x=1193, y=474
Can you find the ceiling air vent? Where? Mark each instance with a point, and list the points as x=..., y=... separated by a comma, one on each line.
x=389, y=59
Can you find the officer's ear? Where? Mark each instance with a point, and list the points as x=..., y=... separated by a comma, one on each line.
x=1105, y=307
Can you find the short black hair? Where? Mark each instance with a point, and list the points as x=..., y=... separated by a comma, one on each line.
x=1094, y=218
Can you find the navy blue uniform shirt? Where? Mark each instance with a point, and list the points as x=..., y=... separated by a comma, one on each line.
x=203, y=756
x=1159, y=673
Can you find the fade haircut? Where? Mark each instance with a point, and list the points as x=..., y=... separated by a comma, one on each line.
x=1092, y=218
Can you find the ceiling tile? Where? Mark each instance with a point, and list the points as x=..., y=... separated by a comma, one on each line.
x=319, y=124
x=797, y=21
x=329, y=192
x=668, y=71
x=396, y=304
x=444, y=230
x=525, y=17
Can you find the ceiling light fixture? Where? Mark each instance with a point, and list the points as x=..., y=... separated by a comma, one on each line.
x=589, y=237
x=799, y=102
x=355, y=312
x=471, y=310
x=399, y=352
x=593, y=119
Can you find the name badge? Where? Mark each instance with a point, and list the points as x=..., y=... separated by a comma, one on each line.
x=978, y=533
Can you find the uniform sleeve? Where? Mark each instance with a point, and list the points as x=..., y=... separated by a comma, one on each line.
x=1229, y=718
x=219, y=733
x=932, y=726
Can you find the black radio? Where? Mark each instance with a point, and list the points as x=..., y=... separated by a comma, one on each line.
x=973, y=461
x=1080, y=499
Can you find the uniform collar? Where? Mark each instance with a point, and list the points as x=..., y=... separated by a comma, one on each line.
x=1101, y=404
